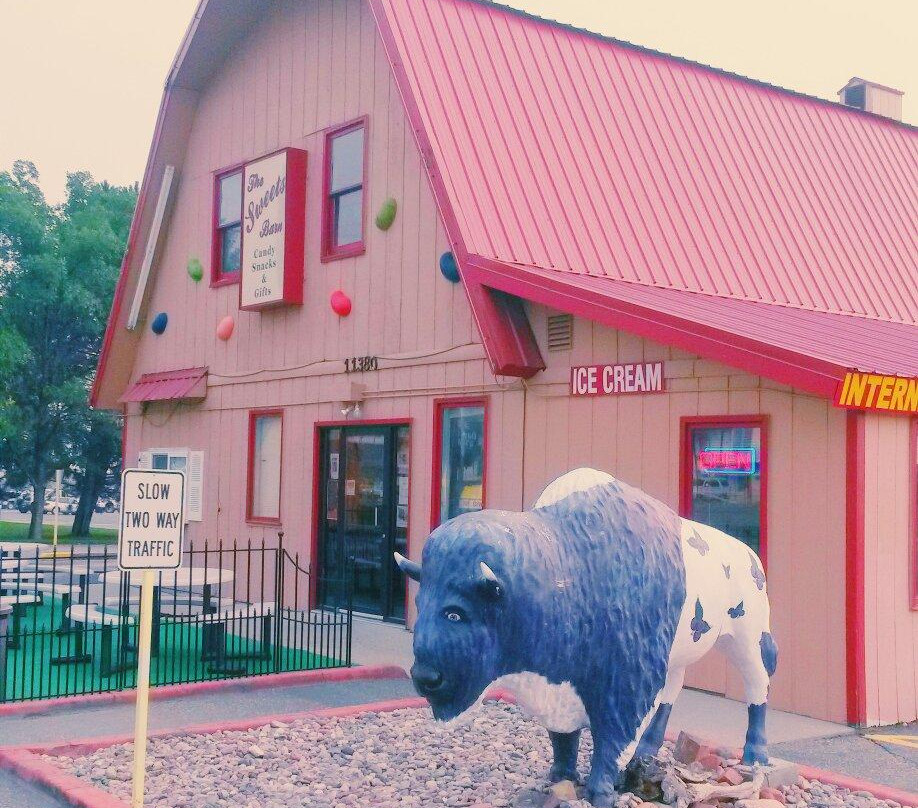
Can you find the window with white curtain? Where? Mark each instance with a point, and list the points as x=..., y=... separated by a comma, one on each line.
x=265, y=466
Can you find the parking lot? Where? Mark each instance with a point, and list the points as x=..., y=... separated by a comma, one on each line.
x=109, y=520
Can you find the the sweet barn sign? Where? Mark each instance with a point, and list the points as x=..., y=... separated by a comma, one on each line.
x=612, y=380
x=273, y=229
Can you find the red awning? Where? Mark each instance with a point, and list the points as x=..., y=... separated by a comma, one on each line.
x=169, y=385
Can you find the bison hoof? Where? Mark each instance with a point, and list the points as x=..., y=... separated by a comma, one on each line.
x=602, y=799
x=558, y=773
x=755, y=753
x=601, y=793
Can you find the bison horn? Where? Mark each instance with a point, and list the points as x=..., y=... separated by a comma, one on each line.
x=410, y=568
x=488, y=573
x=490, y=579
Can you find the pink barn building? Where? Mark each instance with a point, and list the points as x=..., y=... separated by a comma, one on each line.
x=450, y=251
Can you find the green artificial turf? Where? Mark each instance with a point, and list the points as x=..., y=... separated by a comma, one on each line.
x=19, y=531
x=30, y=673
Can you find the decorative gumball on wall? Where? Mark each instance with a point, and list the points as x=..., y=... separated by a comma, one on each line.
x=340, y=303
x=195, y=269
x=225, y=328
x=386, y=214
x=448, y=267
x=160, y=321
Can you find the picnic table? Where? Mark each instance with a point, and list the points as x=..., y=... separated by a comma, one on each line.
x=184, y=579
x=17, y=603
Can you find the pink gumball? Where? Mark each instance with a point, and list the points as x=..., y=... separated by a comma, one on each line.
x=225, y=328
x=340, y=303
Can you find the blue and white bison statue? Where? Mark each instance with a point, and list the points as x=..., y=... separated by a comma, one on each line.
x=588, y=608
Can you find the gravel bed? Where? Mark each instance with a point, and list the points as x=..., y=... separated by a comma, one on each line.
x=384, y=760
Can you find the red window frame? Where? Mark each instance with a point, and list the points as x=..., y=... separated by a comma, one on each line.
x=440, y=405
x=331, y=251
x=217, y=276
x=250, y=517
x=913, y=515
x=687, y=424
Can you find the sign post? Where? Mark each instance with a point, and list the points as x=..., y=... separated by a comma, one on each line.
x=58, y=479
x=150, y=539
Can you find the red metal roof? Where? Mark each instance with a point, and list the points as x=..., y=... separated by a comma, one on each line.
x=810, y=350
x=560, y=149
x=168, y=385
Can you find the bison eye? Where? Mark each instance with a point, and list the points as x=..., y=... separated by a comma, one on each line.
x=453, y=615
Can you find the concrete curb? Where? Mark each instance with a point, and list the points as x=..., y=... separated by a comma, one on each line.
x=197, y=688
x=27, y=763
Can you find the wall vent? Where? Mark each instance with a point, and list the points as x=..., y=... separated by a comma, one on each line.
x=560, y=332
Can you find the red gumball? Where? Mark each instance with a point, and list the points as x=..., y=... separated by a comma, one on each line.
x=340, y=303
x=225, y=328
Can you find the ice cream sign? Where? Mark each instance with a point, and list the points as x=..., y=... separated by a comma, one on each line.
x=611, y=380
x=273, y=229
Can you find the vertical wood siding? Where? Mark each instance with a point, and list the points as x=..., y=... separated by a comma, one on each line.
x=307, y=67
x=891, y=626
x=637, y=438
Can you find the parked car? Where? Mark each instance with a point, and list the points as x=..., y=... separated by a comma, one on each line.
x=106, y=505
x=68, y=505
x=24, y=502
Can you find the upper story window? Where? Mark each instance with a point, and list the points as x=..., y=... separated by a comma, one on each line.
x=227, y=244
x=345, y=192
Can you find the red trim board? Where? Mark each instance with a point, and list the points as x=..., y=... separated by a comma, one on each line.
x=261, y=191
x=330, y=252
x=562, y=294
x=254, y=519
x=913, y=515
x=508, y=339
x=318, y=426
x=689, y=422
x=855, y=619
x=217, y=276
x=441, y=404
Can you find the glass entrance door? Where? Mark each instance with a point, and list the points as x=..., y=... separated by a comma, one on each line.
x=363, y=518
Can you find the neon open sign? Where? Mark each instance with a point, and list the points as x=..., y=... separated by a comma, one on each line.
x=728, y=461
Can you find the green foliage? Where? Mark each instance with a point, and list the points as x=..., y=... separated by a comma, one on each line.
x=58, y=269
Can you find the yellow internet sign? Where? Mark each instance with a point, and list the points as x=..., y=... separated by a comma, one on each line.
x=872, y=391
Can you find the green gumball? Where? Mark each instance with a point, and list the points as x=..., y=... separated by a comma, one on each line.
x=195, y=270
x=386, y=214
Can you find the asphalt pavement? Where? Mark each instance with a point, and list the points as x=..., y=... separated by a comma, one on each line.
x=109, y=520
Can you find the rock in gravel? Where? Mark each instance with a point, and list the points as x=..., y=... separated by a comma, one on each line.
x=758, y=804
x=564, y=790
x=769, y=793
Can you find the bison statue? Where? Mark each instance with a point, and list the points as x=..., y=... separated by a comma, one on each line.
x=588, y=608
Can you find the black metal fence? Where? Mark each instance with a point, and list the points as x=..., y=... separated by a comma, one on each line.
x=68, y=624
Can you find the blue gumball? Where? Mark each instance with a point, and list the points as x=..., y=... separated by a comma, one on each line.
x=448, y=267
x=160, y=321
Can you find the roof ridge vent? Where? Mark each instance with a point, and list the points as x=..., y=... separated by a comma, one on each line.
x=872, y=97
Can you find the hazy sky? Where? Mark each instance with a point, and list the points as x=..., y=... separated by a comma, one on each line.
x=81, y=79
